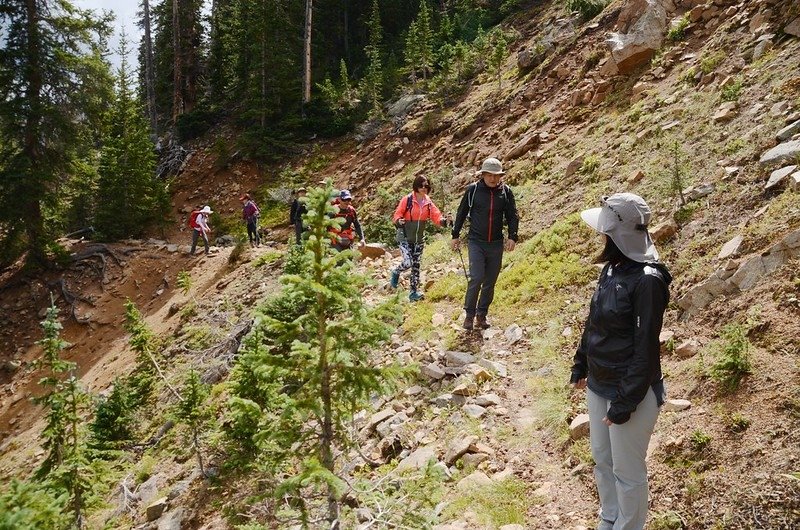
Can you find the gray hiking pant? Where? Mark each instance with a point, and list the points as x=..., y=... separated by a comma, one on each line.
x=620, y=470
x=485, y=260
x=197, y=234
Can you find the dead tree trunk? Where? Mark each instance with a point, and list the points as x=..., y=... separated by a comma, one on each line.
x=149, y=80
x=307, y=53
x=177, y=63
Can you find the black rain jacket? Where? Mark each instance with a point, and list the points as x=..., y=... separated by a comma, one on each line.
x=619, y=350
x=489, y=206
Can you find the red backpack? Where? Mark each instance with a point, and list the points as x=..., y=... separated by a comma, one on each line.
x=192, y=221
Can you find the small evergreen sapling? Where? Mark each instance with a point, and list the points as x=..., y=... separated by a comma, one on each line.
x=193, y=412
x=305, y=369
x=65, y=402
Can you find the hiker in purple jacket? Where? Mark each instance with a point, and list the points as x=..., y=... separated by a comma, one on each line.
x=250, y=213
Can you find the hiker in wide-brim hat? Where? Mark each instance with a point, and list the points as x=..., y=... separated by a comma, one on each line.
x=618, y=361
x=296, y=212
x=489, y=205
x=198, y=220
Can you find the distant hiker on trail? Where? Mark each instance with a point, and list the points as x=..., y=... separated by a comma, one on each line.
x=343, y=236
x=618, y=358
x=296, y=214
x=486, y=203
x=250, y=213
x=198, y=220
x=410, y=217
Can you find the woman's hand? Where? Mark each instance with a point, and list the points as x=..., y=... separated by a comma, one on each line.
x=580, y=384
x=607, y=421
x=455, y=244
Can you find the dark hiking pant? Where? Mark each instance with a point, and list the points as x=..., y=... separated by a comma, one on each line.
x=412, y=256
x=195, y=235
x=298, y=232
x=252, y=232
x=485, y=260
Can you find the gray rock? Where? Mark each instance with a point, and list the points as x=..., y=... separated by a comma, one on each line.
x=731, y=248
x=458, y=358
x=368, y=130
x=778, y=176
x=674, y=405
x=794, y=181
x=699, y=191
x=148, y=490
x=527, y=143
x=762, y=47
x=726, y=112
x=488, y=400
x=156, y=508
x=579, y=427
x=664, y=231
x=379, y=417
x=172, y=520
x=432, y=371
x=473, y=460
x=458, y=447
x=574, y=166
x=793, y=28
x=687, y=349
x=513, y=333
x=404, y=105
x=788, y=131
x=474, y=480
x=449, y=400
x=419, y=458
x=413, y=391
x=494, y=367
x=387, y=427
x=225, y=241
x=748, y=273
x=643, y=37
x=474, y=411
x=787, y=151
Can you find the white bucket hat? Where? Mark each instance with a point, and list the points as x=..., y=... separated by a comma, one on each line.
x=624, y=218
x=493, y=166
x=206, y=209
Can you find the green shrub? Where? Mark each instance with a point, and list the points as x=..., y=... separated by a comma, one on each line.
x=497, y=504
x=732, y=91
x=668, y=520
x=588, y=9
x=678, y=31
x=267, y=258
x=114, y=417
x=195, y=123
x=709, y=63
x=699, y=441
x=738, y=423
x=732, y=357
x=33, y=506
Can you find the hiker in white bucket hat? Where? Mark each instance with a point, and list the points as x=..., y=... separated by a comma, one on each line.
x=618, y=358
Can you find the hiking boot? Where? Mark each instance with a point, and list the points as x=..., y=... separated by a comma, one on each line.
x=468, y=322
x=481, y=322
x=395, y=279
x=415, y=296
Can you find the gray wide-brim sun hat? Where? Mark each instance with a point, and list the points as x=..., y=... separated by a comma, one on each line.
x=493, y=166
x=624, y=218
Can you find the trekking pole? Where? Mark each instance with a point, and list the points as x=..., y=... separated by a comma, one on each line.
x=444, y=197
x=463, y=265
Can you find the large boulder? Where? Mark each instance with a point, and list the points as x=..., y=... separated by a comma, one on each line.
x=787, y=151
x=404, y=105
x=638, y=38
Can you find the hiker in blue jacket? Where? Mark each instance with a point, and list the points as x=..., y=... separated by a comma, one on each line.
x=618, y=361
x=487, y=204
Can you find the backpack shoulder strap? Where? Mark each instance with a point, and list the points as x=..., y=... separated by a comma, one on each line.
x=409, y=202
x=471, y=190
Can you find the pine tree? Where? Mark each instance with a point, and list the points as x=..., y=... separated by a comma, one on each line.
x=373, y=79
x=53, y=88
x=127, y=190
x=144, y=343
x=191, y=411
x=63, y=436
x=305, y=368
x=497, y=55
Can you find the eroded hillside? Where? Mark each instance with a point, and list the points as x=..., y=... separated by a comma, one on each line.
x=717, y=104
